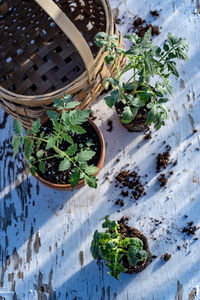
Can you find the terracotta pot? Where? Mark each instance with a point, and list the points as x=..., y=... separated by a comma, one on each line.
x=67, y=187
x=133, y=232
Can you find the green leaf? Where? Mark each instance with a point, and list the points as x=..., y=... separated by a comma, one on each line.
x=52, y=114
x=110, y=81
x=65, y=164
x=166, y=47
x=72, y=104
x=94, y=248
x=40, y=153
x=42, y=167
x=133, y=37
x=74, y=177
x=91, y=181
x=172, y=67
x=172, y=39
x=152, y=115
x=58, y=103
x=77, y=117
x=77, y=129
x=67, y=138
x=85, y=155
x=113, y=98
x=146, y=41
x=51, y=143
x=71, y=150
x=108, y=59
x=16, y=141
x=36, y=126
x=127, y=115
x=17, y=127
x=33, y=170
x=28, y=147
x=91, y=170
x=137, y=102
x=66, y=98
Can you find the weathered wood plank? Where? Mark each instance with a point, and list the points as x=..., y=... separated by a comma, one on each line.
x=45, y=235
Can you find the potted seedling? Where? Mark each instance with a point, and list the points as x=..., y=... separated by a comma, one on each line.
x=64, y=150
x=139, y=100
x=123, y=248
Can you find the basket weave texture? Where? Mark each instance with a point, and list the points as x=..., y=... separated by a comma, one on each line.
x=38, y=61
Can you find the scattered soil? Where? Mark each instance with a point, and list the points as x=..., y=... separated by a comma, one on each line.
x=120, y=202
x=110, y=125
x=163, y=180
x=52, y=165
x=154, y=13
x=148, y=136
x=190, y=229
x=163, y=159
x=166, y=256
x=133, y=182
x=140, y=27
x=124, y=193
x=127, y=231
x=195, y=130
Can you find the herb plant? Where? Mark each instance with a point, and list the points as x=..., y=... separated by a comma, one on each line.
x=112, y=248
x=145, y=61
x=65, y=124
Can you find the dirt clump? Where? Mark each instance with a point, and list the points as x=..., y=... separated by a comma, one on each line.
x=110, y=125
x=140, y=27
x=166, y=256
x=162, y=179
x=132, y=181
x=190, y=229
x=154, y=13
x=163, y=159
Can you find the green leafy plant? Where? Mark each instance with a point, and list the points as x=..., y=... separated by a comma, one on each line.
x=145, y=61
x=65, y=125
x=112, y=248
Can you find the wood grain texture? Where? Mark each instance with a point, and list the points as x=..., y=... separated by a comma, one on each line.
x=45, y=235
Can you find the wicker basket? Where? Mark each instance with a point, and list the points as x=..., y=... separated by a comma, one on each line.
x=47, y=50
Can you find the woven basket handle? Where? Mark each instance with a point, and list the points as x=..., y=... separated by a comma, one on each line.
x=71, y=32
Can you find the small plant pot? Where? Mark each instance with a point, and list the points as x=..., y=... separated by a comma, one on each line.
x=67, y=186
x=139, y=122
x=127, y=231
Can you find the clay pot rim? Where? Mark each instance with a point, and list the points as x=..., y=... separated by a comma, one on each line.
x=67, y=186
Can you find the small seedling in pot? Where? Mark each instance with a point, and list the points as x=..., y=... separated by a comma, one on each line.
x=144, y=62
x=115, y=250
x=41, y=145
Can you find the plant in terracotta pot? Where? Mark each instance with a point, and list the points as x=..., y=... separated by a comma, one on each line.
x=65, y=149
x=123, y=248
x=139, y=100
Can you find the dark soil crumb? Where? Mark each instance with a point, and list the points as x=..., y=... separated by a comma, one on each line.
x=119, y=202
x=140, y=27
x=123, y=220
x=154, y=13
x=132, y=181
x=190, y=229
x=118, y=159
x=163, y=159
x=154, y=256
x=148, y=136
x=195, y=130
x=124, y=193
x=166, y=256
x=171, y=173
x=110, y=125
x=92, y=116
x=163, y=180
x=185, y=216
x=179, y=247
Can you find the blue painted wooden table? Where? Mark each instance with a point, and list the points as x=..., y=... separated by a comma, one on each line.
x=45, y=235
